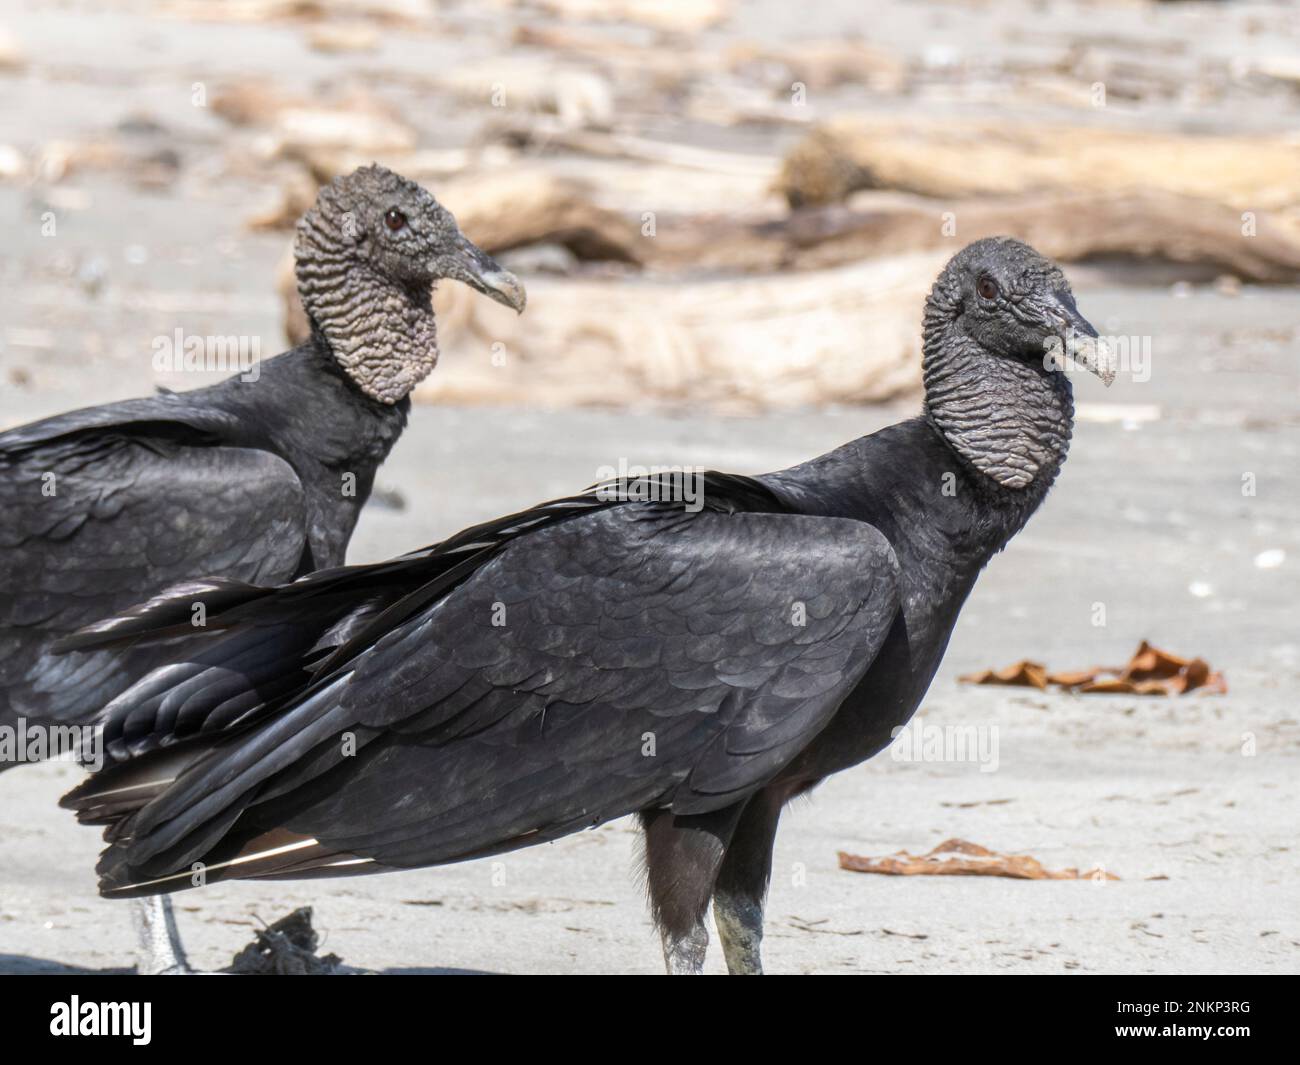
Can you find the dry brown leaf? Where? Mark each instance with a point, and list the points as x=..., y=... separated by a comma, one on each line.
x=1111, y=685
x=1072, y=678
x=1022, y=674
x=1149, y=663
x=1150, y=671
x=959, y=857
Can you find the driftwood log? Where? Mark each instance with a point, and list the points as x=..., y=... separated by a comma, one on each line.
x=1068, y=226
x=848, y=334
x=959, y=160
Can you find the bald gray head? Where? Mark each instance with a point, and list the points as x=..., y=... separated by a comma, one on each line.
x=368, y=255
x=998, y=323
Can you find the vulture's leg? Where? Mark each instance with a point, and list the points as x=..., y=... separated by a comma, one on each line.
x=742, y=885
x=160, y=952
x=682, y=855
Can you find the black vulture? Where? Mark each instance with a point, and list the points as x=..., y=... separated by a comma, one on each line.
x=258, y=478
x=613, y=653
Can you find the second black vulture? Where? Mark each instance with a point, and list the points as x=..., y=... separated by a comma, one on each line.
x=257, y=478
x=610, y=653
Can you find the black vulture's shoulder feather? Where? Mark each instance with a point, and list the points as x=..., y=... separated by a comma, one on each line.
x=168, y=415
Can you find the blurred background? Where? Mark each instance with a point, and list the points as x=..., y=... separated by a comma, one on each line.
x=727, y=214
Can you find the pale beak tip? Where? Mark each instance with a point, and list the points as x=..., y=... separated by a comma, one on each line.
x=505, y=288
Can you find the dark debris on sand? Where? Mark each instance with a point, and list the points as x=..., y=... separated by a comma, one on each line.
x=286, y=948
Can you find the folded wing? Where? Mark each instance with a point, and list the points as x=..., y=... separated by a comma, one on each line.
x=633, y=657
x=100, y=504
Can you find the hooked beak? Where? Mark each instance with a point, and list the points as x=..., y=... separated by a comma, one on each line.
x=1083, y=346
x=473, y=266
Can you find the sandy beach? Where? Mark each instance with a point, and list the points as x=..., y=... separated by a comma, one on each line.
x=1191, y=802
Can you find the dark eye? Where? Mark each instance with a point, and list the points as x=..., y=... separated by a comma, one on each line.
x=394, y=219
x=987, y=288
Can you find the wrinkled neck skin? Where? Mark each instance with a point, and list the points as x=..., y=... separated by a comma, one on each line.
x=1008, y=419
x=382, y=333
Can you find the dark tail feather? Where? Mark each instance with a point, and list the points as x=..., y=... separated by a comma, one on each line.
x=112, y=795
x=177, y=810
x=169, y=613
x=275, y=855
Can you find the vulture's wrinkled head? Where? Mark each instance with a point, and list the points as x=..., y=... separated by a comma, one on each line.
x=389, y=224
x=367, y=256
x=1015, y=302
x=1001, y=327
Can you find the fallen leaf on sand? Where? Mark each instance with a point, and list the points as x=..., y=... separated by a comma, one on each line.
x=1022, y=674
x=958, y=857
x=1150, y=671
